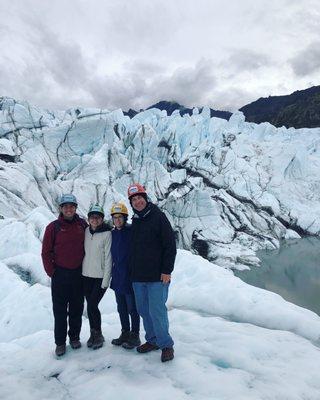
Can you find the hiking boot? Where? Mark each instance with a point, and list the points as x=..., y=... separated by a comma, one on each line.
x=98, y=339
x=60, y=350
x=146, y=347
x=132, y=342
x=124, y=337
x=90, y=340
x=167, y=354
x=75, y=344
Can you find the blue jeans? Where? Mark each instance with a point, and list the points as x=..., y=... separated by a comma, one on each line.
x=126, y=306
x=151, y=300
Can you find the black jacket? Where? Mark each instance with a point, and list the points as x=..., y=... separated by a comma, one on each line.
x=153, y=246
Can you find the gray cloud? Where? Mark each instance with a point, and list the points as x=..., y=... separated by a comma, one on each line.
x=59, y=57
x=246, y=60
x=233, y=98
x=146, y=67
x=132, y=54
x=187, y=85
x=307, y=61
x=140, y=27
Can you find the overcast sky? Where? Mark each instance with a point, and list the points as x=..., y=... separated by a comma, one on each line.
x=133, y=53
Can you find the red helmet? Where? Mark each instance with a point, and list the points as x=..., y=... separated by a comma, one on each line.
x=136, y=188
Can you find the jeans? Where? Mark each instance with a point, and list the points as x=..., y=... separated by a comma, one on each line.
x=93, y=294
x=151, y=300
x=67, y=301
x=127, y=306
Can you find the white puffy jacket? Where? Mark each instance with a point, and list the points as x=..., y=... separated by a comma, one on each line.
x=97, y=262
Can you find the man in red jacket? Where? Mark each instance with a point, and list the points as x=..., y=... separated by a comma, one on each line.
x=62, y=255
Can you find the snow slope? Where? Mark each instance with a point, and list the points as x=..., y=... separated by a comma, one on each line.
x=231, y=339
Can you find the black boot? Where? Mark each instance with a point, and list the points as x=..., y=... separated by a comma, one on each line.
x=132, y=342
x=98, y=339
x=124, y=337
x=90, y=340
x=60, y=350
x=75, y=344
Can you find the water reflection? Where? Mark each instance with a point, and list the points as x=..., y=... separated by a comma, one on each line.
x=293, y=271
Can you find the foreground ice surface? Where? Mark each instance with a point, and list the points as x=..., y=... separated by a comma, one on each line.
x=215, y=359
x=220, y=353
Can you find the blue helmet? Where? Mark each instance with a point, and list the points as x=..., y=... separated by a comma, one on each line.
x=96, y=209
x=68, y=198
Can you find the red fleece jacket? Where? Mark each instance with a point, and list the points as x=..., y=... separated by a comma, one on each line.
x=64, y=248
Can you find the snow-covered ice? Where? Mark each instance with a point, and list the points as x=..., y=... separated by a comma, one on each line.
x=228, y=187
x=231, y=340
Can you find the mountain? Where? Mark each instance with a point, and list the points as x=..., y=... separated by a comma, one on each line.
x=171, y=106
x=131, y=113
x=301, y=109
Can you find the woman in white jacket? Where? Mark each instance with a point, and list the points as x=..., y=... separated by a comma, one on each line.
x=96, y=270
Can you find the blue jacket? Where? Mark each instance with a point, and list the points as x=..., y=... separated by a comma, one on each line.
x=121, y=282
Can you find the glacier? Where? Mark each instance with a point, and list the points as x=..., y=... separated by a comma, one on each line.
x=229, y=188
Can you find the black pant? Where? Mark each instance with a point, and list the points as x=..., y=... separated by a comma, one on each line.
x=127, y=306
x=93, y=293
x=67, y=300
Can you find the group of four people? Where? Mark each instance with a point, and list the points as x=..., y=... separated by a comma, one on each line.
x=136, y=261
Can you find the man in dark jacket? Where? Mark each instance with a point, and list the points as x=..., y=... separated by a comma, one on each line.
x=62, y=256
x=152, y=256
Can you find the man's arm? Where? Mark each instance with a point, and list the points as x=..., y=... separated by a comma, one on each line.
x=169, y=249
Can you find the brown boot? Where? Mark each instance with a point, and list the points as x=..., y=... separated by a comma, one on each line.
x=146, y=347
x=167, y=354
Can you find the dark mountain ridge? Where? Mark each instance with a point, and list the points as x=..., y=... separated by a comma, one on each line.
x=171, y=106
x=300, y=109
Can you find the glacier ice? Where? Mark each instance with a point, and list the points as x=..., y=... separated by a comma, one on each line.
x=228, y=187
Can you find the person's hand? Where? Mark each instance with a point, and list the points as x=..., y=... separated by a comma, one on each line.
x=165, y=278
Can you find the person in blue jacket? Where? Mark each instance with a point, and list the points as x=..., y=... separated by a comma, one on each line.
x=120, y=282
